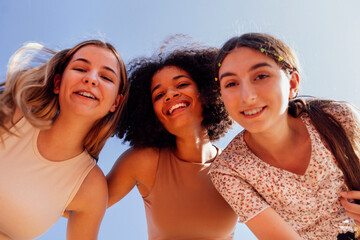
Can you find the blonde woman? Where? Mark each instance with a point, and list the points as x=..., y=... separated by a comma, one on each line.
x=54, y=120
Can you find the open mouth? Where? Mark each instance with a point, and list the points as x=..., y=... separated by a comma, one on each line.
x=253, y=111
x=86, y=94
x=177, y=107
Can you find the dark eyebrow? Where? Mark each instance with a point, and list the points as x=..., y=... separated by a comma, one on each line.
x=180, y=76
x=156, y=87
x=174, y=78
x=81, y=60
x=263, y=64
x=87, y=61
x=227, y=74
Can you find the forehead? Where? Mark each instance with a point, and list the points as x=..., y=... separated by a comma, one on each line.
x=168, y=75
x=244, y=57
x=97, y=55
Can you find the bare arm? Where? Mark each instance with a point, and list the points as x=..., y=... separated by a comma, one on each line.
x=269, y=225
x=87, y=209
x=133, y=167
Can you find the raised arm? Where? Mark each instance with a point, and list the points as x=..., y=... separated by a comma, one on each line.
x=87, y=209
x=133, y=167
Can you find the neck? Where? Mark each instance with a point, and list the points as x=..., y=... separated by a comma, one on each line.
x=65, y=138
x=195, y=147
x=277, y=141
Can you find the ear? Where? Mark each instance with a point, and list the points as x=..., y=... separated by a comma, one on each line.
x=57, y=81
x=294, y=84
x=118, y=100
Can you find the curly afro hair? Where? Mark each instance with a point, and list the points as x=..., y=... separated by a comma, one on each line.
x=139, y=124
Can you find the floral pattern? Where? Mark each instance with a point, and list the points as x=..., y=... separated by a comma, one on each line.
x=310, y=203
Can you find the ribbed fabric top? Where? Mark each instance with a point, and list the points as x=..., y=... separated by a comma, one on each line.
x=34, y=192
x=183, y=203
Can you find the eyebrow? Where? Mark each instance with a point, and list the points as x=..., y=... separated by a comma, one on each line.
x=87, y=61
x=259, y=65
x=174, y=78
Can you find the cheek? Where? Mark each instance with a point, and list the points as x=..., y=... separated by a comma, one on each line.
x=228, y=100
x=284, y=91
x=157, y=110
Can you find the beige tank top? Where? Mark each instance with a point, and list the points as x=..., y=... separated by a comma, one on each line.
x=34, y=192
x=183, y=204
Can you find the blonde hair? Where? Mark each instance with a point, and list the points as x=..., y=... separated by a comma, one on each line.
x=31, y=90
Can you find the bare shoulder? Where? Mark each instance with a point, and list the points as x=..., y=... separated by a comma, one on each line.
x=87, y=209
x=92, y=193
x=135, y=167
x=138, y=158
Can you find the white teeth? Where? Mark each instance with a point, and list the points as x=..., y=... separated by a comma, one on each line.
x=179, y=105
x=252, y=112
x=87, y=94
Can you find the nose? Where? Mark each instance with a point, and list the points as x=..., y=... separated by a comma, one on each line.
x=171, y=94
x=248, y=93
x=91, y=78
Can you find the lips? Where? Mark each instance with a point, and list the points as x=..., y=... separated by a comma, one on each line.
x=86, y=94
x=253, y=111
x=176, y=107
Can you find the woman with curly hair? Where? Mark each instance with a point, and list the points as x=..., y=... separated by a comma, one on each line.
x=54, y=120
x=173, y=113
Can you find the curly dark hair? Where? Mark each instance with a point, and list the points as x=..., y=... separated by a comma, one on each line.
x=139, y=124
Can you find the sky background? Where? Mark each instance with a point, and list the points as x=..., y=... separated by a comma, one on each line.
x=324, y=33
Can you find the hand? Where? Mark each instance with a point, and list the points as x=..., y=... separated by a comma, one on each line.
x=352, y=208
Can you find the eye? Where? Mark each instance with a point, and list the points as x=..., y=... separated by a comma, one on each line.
x=261, y=76
x=230, y=84
x=158, y=96
x=181, y=85
x=107, y=78
x=79, y=69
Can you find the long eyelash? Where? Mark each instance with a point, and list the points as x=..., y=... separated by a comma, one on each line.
x=183, y=84
x=157, y=97
x=106, y=78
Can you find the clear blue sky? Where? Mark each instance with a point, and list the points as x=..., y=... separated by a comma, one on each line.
x=325, y=34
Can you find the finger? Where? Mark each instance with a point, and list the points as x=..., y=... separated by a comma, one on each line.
x=351, y=194
x=350, y=207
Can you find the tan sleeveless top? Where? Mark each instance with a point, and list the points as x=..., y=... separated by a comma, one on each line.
x=34, y=192
x=183, y=203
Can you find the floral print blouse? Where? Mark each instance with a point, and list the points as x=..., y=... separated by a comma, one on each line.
x=310, y=203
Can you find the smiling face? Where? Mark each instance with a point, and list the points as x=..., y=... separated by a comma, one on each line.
x=90, y=83
x=175, y=98
x=255, y=90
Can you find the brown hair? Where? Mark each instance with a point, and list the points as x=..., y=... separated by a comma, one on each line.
x=334, y=135
x=342, y=147
x=31, y=90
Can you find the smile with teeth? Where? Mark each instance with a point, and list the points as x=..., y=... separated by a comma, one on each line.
x=177, y=106
x=86, y=94
x=253, y=111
